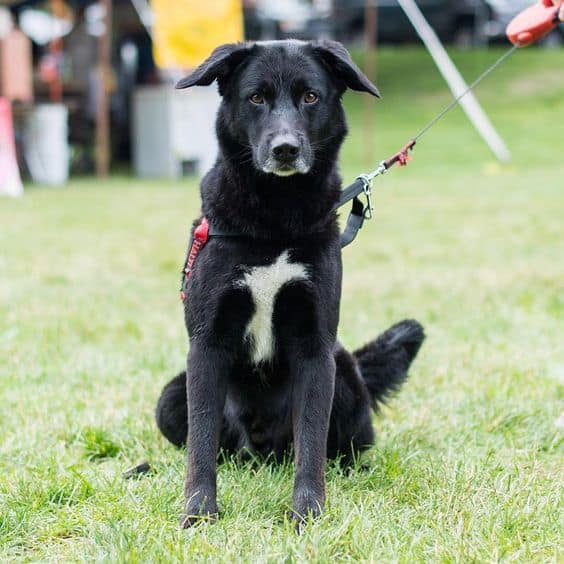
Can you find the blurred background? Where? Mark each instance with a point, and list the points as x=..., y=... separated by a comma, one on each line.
x=86, y=86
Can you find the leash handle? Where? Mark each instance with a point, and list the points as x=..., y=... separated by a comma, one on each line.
x=533, y=23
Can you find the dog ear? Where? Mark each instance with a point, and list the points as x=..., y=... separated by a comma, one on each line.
x=218, y=66
x=339, y=63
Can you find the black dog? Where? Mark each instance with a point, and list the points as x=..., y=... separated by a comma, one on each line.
x=262, y=305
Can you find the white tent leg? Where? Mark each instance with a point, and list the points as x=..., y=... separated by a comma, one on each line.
x=455, y=81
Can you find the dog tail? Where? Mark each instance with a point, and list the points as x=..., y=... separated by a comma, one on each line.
x=172, y=411
x=384, y=362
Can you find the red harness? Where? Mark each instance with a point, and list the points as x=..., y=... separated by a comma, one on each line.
x=199, y=239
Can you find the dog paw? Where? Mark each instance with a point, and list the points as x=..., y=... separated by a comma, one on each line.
x=191, y=519
x=199, y=508
x=308, y=505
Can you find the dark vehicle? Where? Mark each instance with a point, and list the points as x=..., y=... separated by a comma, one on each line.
x=452, y=20
x=463, y=22
x=298, y=19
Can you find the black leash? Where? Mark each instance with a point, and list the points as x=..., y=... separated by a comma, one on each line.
x=359, y=211
x=363, y=184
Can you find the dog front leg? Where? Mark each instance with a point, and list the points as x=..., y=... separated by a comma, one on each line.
x=206, y=388
x=313, y=388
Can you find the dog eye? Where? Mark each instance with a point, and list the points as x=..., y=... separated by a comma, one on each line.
x=257, y=99
x=310, y=97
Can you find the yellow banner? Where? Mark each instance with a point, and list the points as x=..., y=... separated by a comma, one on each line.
x=186, y=31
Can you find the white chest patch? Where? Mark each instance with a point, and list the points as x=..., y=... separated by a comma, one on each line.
x=264, y=282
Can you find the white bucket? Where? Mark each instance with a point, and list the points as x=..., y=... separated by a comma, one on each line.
x=46, y=144
x=10, y=181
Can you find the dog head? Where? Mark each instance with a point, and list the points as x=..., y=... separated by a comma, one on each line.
x=281, y=101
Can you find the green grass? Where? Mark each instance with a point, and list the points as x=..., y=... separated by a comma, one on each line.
x=468, y=463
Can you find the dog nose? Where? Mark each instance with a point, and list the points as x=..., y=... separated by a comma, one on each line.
x=285, y=149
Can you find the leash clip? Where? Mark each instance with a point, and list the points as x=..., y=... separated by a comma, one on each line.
x=367, y=180
x=369, y=209
x=367, y=189
x=379, y=170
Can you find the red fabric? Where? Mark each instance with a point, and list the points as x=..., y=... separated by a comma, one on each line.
x=202, y=232
x=201, y=237
x=402, y=156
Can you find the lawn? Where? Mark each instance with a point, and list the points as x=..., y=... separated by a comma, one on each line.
x=468, y=463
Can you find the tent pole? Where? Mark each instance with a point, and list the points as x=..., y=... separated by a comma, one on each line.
x=56, y=49
x=370, y=38
x=456, y=83
x=103, y=103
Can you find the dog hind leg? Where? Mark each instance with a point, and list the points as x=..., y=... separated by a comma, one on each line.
x=171, y=415
x=172, y=411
